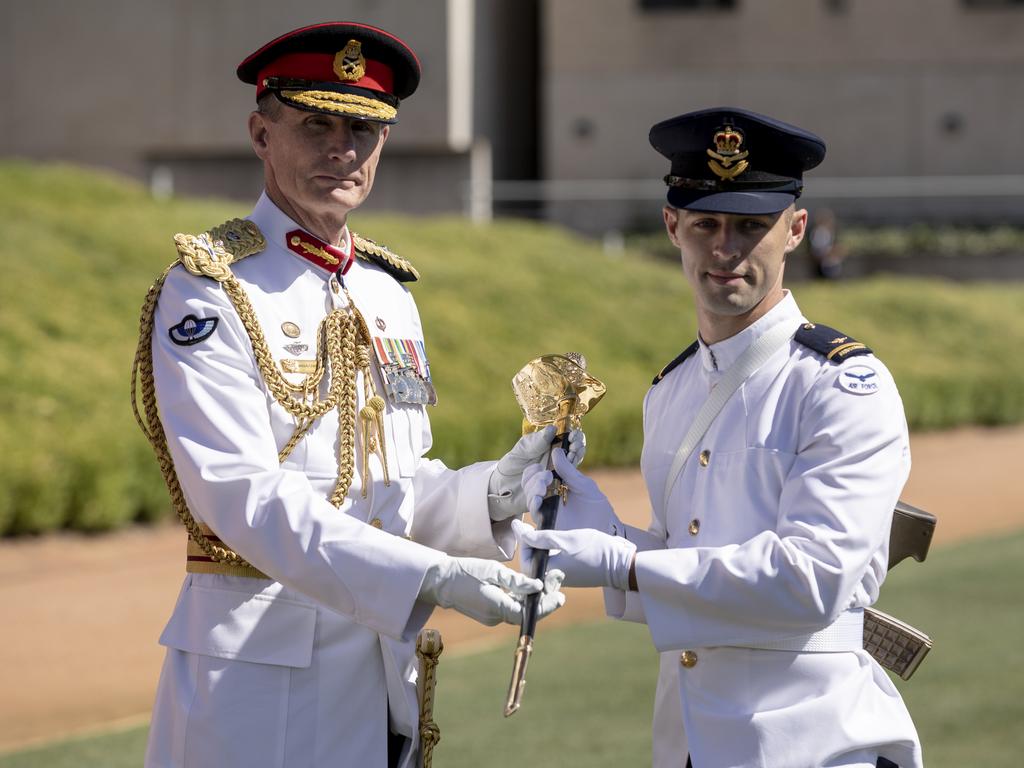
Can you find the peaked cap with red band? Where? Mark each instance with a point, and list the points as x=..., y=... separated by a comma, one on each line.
x=338, y=68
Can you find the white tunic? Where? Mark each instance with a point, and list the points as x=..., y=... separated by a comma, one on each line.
x=303, y=669
x=784, y=529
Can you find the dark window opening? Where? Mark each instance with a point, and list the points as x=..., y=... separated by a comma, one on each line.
x=688, y=5
x=992, y=4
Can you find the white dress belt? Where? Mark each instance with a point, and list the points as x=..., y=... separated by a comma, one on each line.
x=844, y=634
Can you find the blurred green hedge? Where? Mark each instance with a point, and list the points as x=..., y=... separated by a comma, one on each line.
x=81, y=248
x=884, y=243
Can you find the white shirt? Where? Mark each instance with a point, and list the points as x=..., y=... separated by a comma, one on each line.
x=783, y=527
x=310, y=663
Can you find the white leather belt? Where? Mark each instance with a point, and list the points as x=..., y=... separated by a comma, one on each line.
x=844, y=634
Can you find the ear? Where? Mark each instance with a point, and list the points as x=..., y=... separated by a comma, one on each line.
x=385, y=131
x=258, y=134
x=671, y=218
x=797, y=229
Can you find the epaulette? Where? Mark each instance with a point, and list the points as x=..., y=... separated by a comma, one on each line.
x=829, y=342
x=400, y=269
x=212, y=253
x=688, y=352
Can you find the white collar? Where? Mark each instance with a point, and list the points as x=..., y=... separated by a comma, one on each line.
x=719, y=356
x=275, y=224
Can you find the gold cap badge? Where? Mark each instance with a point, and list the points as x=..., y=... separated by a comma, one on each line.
x=350, y=64
x=726, y=153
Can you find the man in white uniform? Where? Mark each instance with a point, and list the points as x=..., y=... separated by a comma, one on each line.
x=283, y=382
x=771, y=516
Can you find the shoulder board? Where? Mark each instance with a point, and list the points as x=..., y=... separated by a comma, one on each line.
x=829, y=343
x=212, y=253
x=688, y=352
x=400, y=269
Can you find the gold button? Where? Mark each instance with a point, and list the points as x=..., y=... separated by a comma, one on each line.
x=295, y=240
x=290, y=329
x=694, y=528
x=377, y=523
x=705, y=458
x=688, y=659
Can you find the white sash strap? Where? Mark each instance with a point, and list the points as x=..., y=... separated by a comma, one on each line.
x=752, y=358
x=844, y=634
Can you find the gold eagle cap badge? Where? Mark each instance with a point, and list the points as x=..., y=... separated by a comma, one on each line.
x=350, y=64
x=727, y=159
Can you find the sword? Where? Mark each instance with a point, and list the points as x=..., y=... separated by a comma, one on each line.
x=553, y=389
x=894, y=644
x=548, y=513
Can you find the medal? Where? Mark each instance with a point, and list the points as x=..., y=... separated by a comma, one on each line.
x=404, y=370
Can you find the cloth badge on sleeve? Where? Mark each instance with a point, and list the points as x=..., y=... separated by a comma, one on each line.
x=191, y=330
x=859, y=379
x=405, y=370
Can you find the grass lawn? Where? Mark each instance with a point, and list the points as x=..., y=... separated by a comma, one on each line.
x=590, y=686
x=124, y=749
x=80, y=248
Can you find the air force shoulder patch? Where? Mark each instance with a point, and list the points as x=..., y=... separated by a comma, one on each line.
x=859, y=379
x=191, y=330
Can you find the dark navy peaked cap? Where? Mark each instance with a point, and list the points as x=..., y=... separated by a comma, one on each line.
x=728, y=160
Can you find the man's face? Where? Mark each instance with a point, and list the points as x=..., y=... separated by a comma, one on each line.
x=321, y=165
x=734, y=261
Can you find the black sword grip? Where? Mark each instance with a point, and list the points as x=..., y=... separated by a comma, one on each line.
x=548, y=515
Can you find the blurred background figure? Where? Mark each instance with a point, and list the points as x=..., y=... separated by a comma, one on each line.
x=826, y=252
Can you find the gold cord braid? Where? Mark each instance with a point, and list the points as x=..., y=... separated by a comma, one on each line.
x=343, y=339
x=428, y=649
x=308, y=387
x=300, y=432
x=311, y=383
x=275, y=380
x=346, y=341
x=143, y=386
x=371, y=417
x=341, y=353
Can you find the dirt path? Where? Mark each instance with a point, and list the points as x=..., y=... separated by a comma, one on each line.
x=81, y=615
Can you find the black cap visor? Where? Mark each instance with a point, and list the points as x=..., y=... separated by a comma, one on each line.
x=751, y=203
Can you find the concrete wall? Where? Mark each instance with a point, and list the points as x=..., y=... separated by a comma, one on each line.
x=556, y=89
x=914, y=87
x=139, y=84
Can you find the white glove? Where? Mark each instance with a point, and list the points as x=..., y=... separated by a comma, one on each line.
x=588, y=558
x=488, y=591
x=505, y=497
x=585, y=506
